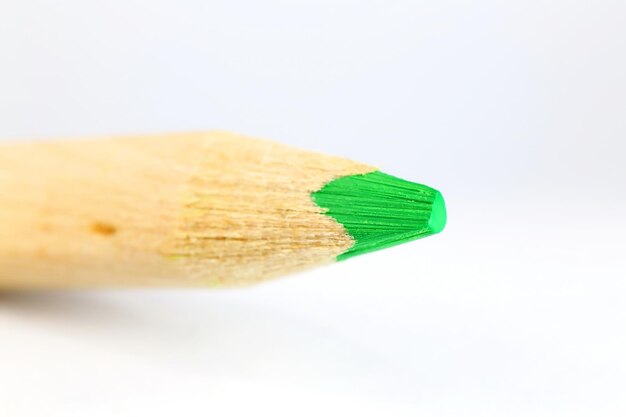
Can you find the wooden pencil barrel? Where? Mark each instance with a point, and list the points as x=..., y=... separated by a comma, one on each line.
x=193, y=209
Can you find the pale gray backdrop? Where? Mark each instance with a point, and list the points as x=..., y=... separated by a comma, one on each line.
x=514, y=110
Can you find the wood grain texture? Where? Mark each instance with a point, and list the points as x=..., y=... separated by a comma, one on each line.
x=193, y=209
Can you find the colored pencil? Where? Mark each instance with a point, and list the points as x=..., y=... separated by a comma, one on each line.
x=192, y=209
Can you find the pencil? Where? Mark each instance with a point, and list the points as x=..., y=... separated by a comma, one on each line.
x=207, y=209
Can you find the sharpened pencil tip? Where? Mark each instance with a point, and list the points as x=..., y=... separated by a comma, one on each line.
x=438, y=216
x=379, y=210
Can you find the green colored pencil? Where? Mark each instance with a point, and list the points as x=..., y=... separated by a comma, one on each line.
x=193, y=209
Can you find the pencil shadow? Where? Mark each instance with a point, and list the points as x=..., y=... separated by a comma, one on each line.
x=163, y=319
x=217, y=336
x=93, y=314
x=157, y=320
x=73, y=306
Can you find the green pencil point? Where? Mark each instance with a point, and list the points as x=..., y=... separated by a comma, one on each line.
x=379, y=210
x=438, y=216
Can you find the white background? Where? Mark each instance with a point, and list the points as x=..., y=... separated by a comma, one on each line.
x=515, y=110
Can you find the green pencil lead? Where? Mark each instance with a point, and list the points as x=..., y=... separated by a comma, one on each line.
x=379, y=210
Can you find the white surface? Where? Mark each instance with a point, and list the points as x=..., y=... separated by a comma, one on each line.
x=515, y=111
